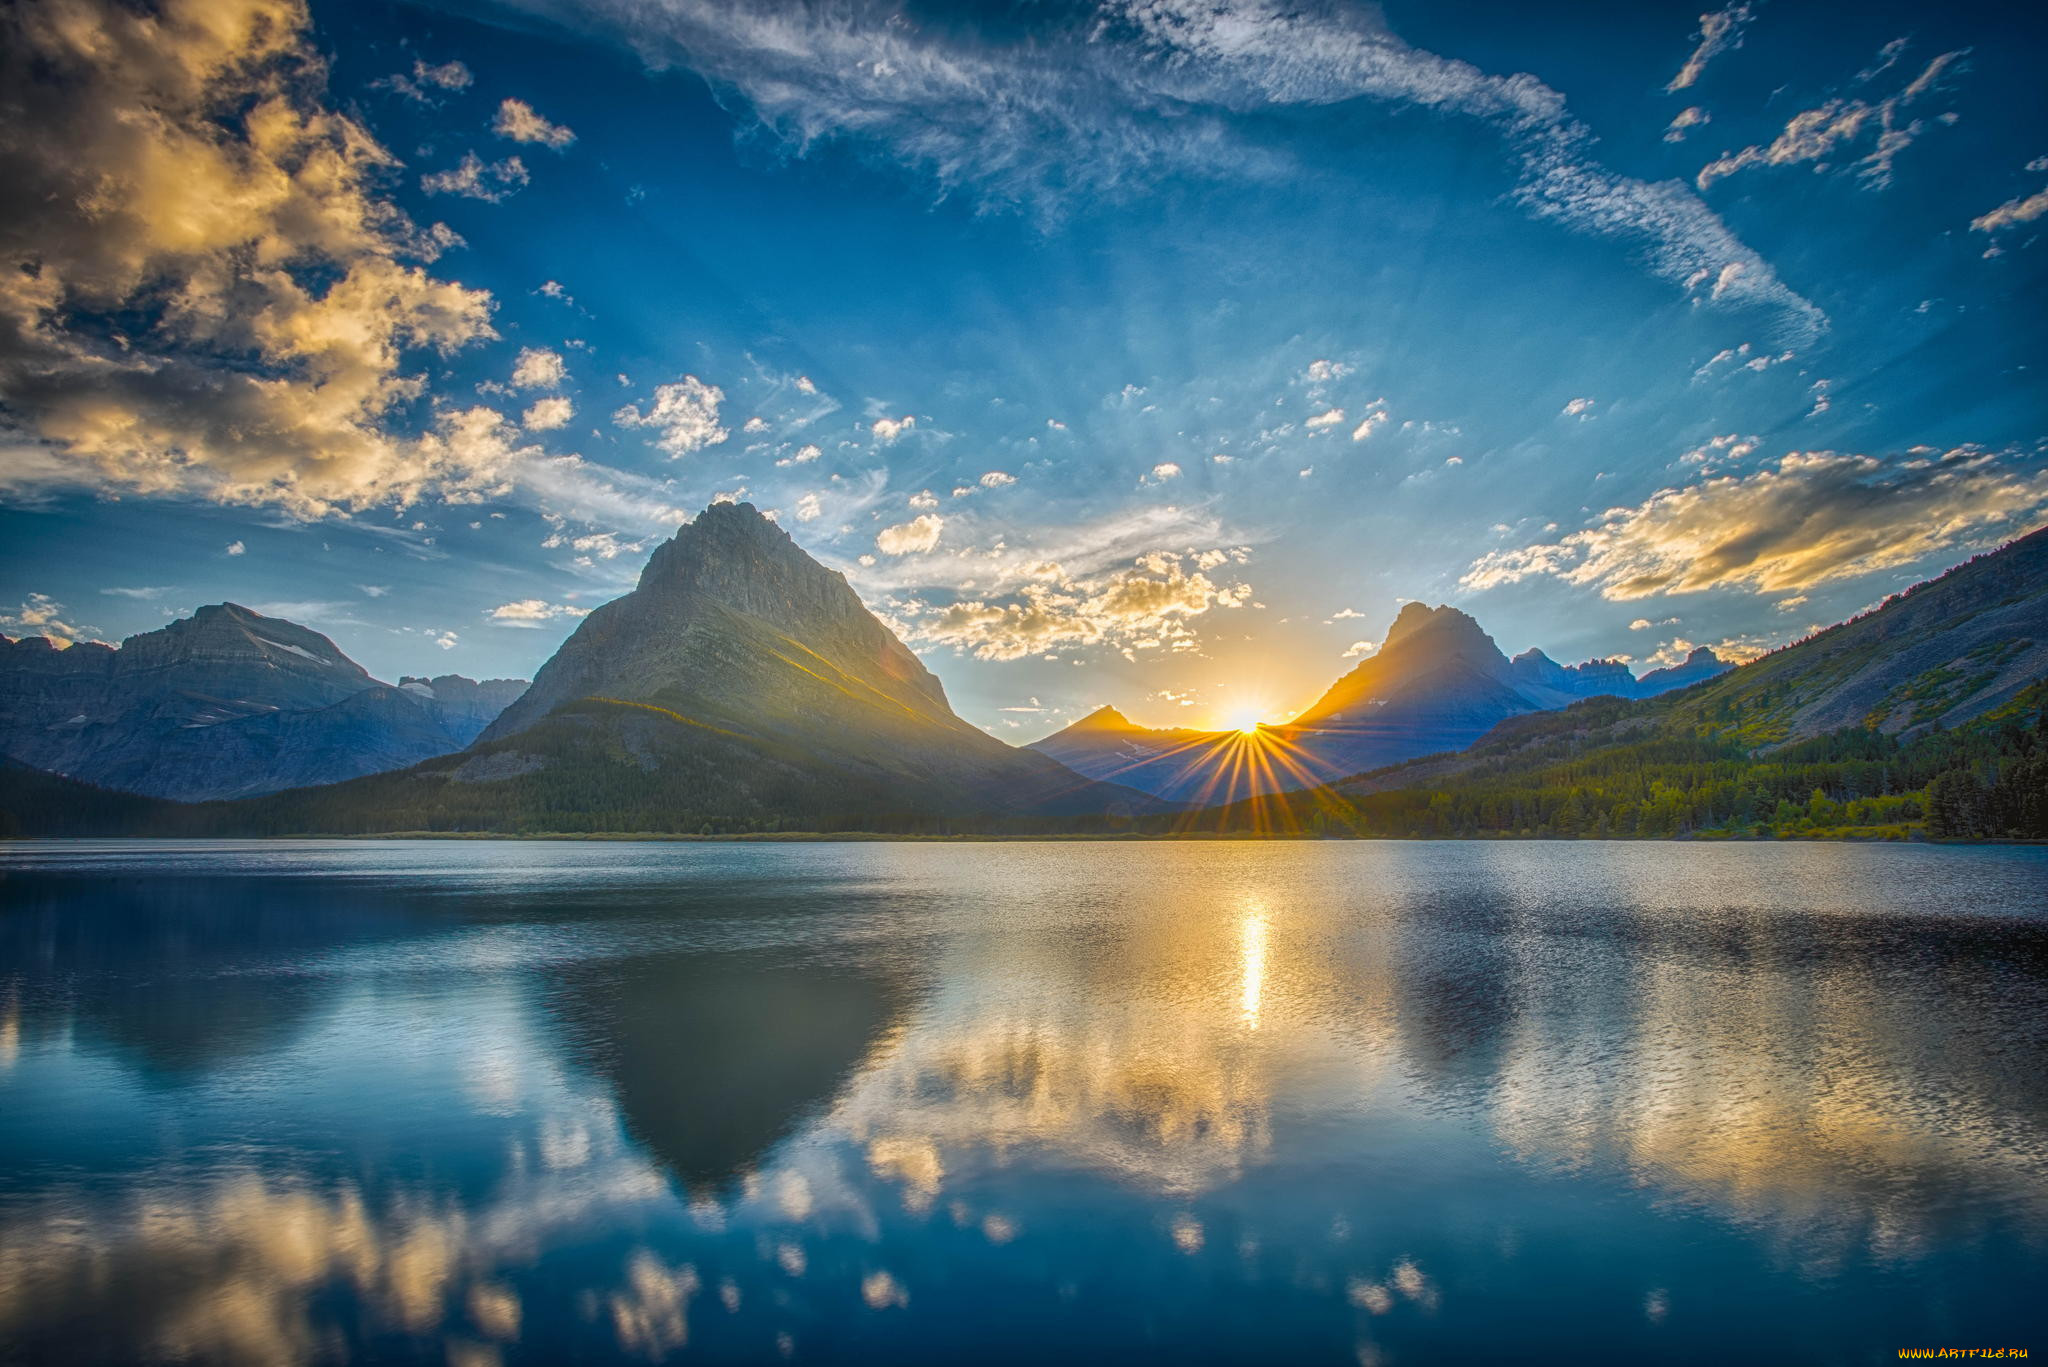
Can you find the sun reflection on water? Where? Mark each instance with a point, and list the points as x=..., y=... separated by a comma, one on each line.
x=1254, y=934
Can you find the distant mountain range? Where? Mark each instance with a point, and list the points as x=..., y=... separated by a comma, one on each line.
x=1930, y=712
x=742, y=687
x=226, y=703
x=1438, y=683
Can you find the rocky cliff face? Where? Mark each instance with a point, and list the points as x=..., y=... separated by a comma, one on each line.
x=225, y=703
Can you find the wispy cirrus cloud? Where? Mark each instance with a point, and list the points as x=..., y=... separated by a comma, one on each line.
x=1815, y=516
x=1719, y=32
x=1147, y=88
x=1839, y=126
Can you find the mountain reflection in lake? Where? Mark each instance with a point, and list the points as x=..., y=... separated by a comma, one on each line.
x=532, y=1102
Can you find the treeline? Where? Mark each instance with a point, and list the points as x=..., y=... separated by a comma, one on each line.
x=1598, y=769
x=1566, y=774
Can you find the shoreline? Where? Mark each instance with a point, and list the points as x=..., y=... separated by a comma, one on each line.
x=992, y=838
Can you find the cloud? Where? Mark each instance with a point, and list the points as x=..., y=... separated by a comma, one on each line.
x=1119, y=99
x=1322, y=372
x=807, y=509
x=532, y=612
x=146, y=593
x=1719, y=32
x=223, y=305
x=804, y=455
x=41, y=615
x=1814, y=517
x=1693, y=117
x=1359, y=649
x=547, y=415
x=591, y=547
x=538, y=368
x=1743, y=357
x=918, y=536
x=685, y=413
x=1819, y=134
x=1373, y=422
x=475, y=178
x=1581, y=409
x=444, y=639
x=517, y=121
x=425, y=79
x=887, y=430
x=1164, y=471
x=1327, y=418
x=997, y=479
x=237, y=548
x=1144, y=607
x=2012, y=211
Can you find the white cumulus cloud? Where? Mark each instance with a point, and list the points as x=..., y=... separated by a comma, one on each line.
x=918, y=536
x=547, y=415
x=685, y=414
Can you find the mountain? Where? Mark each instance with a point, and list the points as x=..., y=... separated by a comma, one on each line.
x=465, y=706
x=1930, y=712
x=1702, y=664
x=1438, y=683
x=225, y=703
x=742, y=686
x=1176, y=763
x=1594, y=678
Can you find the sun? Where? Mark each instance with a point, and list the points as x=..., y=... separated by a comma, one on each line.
x=1245, y=719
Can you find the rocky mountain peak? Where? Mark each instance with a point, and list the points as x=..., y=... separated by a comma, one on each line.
x=1104, y=718
x=1426, y=637
x=708, y=594
x=228, y=633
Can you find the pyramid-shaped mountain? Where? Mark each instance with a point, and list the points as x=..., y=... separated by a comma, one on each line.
x=742, y=686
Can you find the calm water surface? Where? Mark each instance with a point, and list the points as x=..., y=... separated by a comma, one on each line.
x=473, y=1103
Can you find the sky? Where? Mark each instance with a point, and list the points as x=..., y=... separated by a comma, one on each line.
x=1149, y=353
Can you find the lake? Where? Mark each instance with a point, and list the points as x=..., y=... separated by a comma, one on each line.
x=1377, y=1102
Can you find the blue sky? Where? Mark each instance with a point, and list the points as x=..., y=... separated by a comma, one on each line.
x=1148, y=354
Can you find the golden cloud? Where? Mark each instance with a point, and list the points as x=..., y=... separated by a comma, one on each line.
x=1816, y=517
x=1143, y=608
x=211, y=298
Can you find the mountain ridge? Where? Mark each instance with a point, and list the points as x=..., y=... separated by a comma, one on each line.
x=224, y=703
x=740, y=686
x=1437, y=683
